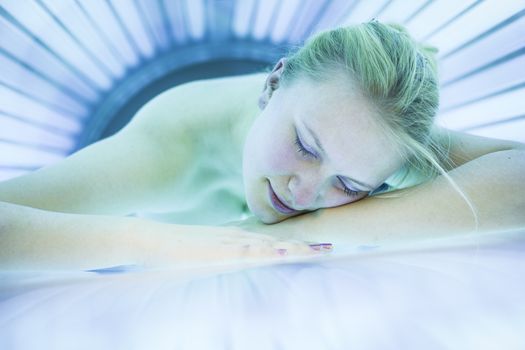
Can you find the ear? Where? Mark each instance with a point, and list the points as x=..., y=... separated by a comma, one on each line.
x=272, y=83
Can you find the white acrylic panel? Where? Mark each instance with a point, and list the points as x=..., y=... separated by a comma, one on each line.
x=306, y=20
x=153, y=15
x=265, y=10
x=77, y=23
x=336, y=9
x=454, y=293
x=297, y=23
x=101, y=13
x=242, y=16
x=514, y=131
x=364, y=11
x=16, y=130
x=498, y=44
x=473, y=23
x=20, y=46
x=283, y=22
x=16, y=155
x=488, y=110
x=6, y=174
x=494, y=79
x=16, y=104
x=176, y=20
x=41, y=25
x=17, y=76
x=435, y=15
x=131, y=17
x=399, y=11
x=196, y=22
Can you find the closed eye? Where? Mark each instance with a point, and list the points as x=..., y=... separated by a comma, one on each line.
x=301, y=149
x=307, y=154
x=347, y=190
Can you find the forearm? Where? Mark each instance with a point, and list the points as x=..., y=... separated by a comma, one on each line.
x=492, y=183
x=37, y=239
x=34, y=239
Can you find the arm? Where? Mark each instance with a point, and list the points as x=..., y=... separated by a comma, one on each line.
x=34, y=239
x=143, y=167
x=137, y=169
x=490, y=174
x=119, y=175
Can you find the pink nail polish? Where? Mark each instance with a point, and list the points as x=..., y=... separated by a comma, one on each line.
x=282, y=251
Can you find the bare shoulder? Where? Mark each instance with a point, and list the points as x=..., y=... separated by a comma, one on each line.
x=464, y=147
x=200, y=104
x=196, y=116
x=141, y=164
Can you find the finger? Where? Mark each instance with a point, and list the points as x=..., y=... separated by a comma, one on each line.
x=261, y=241
x=294, y=247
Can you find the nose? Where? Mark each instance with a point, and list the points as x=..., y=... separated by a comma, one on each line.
x=305, y=191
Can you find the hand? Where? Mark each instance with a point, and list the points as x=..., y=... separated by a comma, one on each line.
x=251, y=224
x=284, y=230
x=190, y=245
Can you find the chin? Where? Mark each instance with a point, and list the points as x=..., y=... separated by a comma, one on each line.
x=276, y=218
x=268, y=221
x=265, y=216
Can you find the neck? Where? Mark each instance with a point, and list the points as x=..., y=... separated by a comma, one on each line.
x=240, y=123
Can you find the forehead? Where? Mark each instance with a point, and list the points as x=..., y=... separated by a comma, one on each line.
x=346, y=124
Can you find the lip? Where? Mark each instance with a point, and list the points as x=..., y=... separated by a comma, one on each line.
x=277, y=203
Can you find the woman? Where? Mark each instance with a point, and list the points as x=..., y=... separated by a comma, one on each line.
x=348, y=118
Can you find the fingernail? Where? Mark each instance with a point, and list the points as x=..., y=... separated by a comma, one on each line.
x=327, y=246
x=282, y=251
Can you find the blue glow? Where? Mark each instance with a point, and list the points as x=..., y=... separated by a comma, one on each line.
x=39, y=113
x=176, y=20
x=100, y=12
x=25, y=81
x=364, y=11
x=78, y=24
x=283, y=21
x=264, y=16
x=399, y=11
x=36, y=20
x=242, y=16
x=18, y=155
x=133, y=20
x=61, y=59
x=505, y=41
x=19, y=131
x=435, y=15
x=441, y=292
x=488, y=110
x=195, y=11
x=473, y=23
x=24, y=49
x=488, y=81
x=153, y=16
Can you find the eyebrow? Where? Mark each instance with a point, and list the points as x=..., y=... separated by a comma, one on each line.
x=318, y=143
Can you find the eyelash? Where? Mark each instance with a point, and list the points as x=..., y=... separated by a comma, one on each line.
x=308, y=154
x=303, y=150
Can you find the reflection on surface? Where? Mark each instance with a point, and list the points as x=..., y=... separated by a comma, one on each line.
x=460, y=293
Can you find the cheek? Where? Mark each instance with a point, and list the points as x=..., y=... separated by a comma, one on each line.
x=336, y=197
x=280, y=157
x=270, y=152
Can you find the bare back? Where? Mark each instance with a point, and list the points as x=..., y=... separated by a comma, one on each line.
x=211, y=191
x=178, y=160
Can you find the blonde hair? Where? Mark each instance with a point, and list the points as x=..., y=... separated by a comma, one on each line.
x=396, y=73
